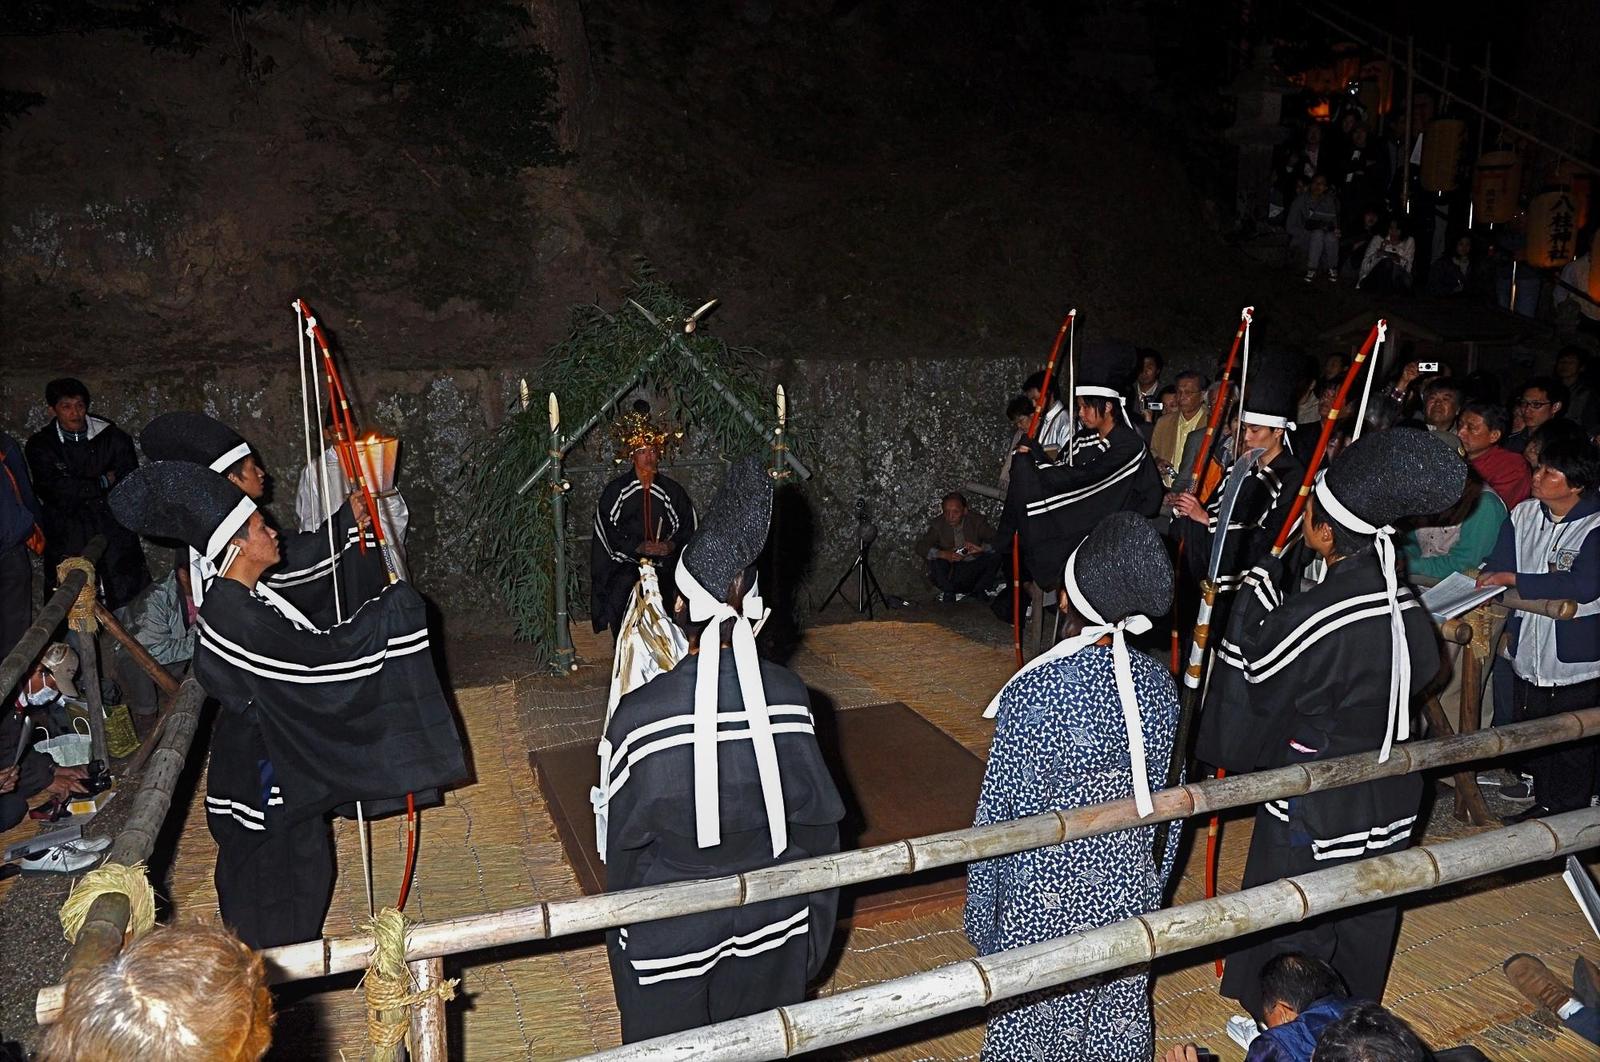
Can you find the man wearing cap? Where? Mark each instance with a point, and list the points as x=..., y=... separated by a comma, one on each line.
x=76, y=459
x=326, y=573
x=312, y=720
x=1326, y=672
x=24, y=771
x=641, y=516
x=1068, y=737
x=713, y=768
x=1106, y=468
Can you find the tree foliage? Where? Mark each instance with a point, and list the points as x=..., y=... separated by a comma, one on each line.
x=515, y=534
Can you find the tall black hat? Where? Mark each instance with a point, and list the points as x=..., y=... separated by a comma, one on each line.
x=1269, y=393
x=1121, y=569
x=733, y=530
x=195, y=438
x=1105, y=368
x=177, y=499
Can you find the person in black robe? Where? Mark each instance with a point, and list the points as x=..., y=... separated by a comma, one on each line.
x=641, y=515
x=1106, y=467
x=713, y=768
x=1265, y=497
x=1328, y=672
x=76, y=459
x=311, y=721
x=325, y=578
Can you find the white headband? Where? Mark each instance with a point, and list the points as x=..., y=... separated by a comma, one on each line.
x=1121, y=669
x=707, y=792
x=1096, y=391
x=1265, y=420
x=238, y=453
x=228, y=528
x=1399, y=726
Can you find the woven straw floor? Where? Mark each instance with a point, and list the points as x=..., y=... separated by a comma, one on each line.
x=494, y=846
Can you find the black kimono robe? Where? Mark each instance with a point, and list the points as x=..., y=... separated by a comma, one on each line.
x=311, y=719
x=619, y=527
x=306, y=575
x=1054, y=505
x=1306, y=678
x=71, y=481
x=680, y=973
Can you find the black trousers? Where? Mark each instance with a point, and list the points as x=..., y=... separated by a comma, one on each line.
x=16, y=595
x=1564, y=776
x=274, y=888
x=965, y=577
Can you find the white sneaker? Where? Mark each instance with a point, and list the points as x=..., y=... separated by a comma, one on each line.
x=88, y=844
x=62, y=859
x=1243, y=1030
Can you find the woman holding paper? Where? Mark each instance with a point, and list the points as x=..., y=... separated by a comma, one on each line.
x=1549, y=549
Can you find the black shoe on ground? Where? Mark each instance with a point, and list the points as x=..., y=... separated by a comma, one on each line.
x=1521, y=790
x=1537, y=811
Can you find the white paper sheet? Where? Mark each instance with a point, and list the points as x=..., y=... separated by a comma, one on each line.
x=1456, y=594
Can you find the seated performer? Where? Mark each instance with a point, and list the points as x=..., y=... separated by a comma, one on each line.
x=1066, y=738
x=311, y=719
x=1106, y=468
x=1264, y=497
x=308, y=557
x=958, y=547
x=714, y=768
x=1328, y=672
x=642, y=515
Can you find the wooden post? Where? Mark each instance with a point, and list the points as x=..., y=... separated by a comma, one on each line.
x=852, y=1015
x=1470, y=805
x=88, y=650
x=429, y=1042
x=566, y=655
x=141, y=656
x=1405, y=155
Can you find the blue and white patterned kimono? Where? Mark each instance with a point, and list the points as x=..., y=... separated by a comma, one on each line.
x=1061, y=743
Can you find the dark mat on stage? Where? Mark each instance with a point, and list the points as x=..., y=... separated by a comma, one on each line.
x=900, y=777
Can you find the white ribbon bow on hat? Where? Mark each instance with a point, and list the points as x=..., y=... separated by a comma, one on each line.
x=707, y=792
x=1399, y=725
x=1121, y=669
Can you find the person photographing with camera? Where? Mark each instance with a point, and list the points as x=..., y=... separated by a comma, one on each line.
x=959, y=548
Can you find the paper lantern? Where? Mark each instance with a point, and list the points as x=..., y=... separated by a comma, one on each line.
x=378, y=454
x=1441, y=154
x=1552, y=230
x=1496, y=187
x=1581, y=183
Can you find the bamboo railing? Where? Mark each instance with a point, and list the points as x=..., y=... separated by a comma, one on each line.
x=20, y=660
x=978, y=982
x=550, y=919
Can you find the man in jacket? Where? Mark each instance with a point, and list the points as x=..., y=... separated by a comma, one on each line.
x=76, y=459
x=19, y=517
x=959, y=548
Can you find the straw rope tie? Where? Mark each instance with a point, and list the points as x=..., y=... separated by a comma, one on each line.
x=109, y=879
x=386, y=983
x=81, y=617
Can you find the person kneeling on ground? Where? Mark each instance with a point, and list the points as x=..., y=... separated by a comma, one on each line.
x=959, y=548
x=190, y=994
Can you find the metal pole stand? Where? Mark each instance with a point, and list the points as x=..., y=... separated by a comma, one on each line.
x=866, y=583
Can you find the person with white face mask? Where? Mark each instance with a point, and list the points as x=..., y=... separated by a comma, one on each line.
x=24, y=771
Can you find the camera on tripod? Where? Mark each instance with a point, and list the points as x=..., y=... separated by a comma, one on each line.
x=866, y=530
x=867, y=586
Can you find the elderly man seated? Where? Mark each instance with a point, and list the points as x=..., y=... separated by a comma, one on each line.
x=959, y=549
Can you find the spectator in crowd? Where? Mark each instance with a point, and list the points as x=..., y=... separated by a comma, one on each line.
x=33, y=773
x=1456, y=272
x=1549, y=549
x=1575, y=274
x=19, y=533
x=959, y=548
x=1365, y=172
x=1441, y=404
x=1147, y=387
x=76, y=459
x=1302, y=995
x=1543, y=398
x=1578, y=1007
x=1544, y=435
x=161, y=619
x=1399, y=400
x=1572, y=369
x=1054, y=423
x=1172, y=431
x=178, y=994
x=1314, y=221
x=1358, y=234
x=1333, y=368
x=1482, y=426
x=1307, y=431
x=1368, y=1033
x=1387, y=263
x=1019, y=411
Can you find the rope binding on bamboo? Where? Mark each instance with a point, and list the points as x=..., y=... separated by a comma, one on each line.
x=129, y=880
x=387, y=986
x=81, y=617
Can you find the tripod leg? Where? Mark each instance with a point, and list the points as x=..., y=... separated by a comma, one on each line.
x=872, y=576
x=838, y=587
x=863, y=595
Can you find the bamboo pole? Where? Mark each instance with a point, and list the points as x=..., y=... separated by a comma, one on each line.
x=541, y=921
x=20, y=660
x=107, y=920
x=140, y=654
x=566, y=654
x=903, y=1001
x=88, y=649
x=1555, y=607
x=429, y=1042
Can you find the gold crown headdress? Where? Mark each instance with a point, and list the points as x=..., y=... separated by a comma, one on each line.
x=634, y=431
